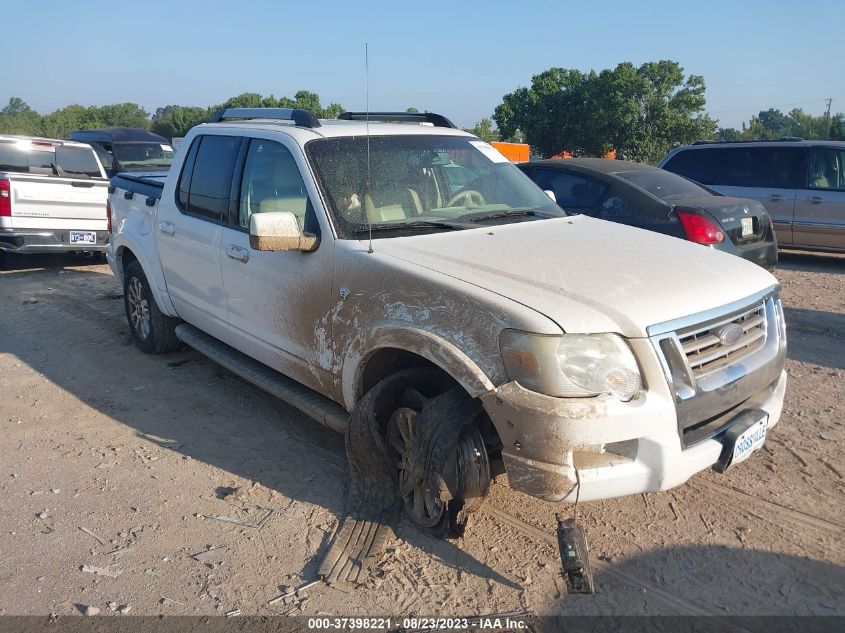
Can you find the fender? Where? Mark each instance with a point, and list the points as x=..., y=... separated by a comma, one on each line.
x=443, y=353
x=148, y=260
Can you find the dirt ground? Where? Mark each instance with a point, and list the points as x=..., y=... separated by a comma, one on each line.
x=135, y=464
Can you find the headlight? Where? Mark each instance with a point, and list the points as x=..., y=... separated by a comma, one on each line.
x=572, y=365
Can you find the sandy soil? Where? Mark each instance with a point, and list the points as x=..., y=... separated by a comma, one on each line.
x=120, y=461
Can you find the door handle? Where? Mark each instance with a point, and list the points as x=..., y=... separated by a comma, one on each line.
x=237, y=253
x=167, y=228
x=775, y=197
x=815, y=199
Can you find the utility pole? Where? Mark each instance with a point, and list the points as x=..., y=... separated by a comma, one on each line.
x=827, y=120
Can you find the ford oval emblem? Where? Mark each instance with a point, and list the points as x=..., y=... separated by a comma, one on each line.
x=729, y=334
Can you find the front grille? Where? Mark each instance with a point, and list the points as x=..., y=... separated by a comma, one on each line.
x=717, y=361
x=707, y=351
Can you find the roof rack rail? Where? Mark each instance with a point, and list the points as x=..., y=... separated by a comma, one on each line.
x=437, y=120
x=301, y=118
x=782, y=139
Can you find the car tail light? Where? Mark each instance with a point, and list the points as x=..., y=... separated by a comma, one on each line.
x=701, y=229
x=5, y=198
x=108, y=216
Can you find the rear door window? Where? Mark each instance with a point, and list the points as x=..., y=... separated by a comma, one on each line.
x=696, y=164
x=572, y=191
x=210, y=182
x=763, y=167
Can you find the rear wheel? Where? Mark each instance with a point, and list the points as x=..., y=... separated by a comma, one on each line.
x=153, y=331
x=440, y=481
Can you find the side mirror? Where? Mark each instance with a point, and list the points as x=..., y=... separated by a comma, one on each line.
x=551, y=195
x=279, y=231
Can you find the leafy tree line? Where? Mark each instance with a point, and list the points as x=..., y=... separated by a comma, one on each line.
x=774, y=124
x=170, y=121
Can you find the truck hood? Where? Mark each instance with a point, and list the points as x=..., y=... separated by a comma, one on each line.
x=587, y=275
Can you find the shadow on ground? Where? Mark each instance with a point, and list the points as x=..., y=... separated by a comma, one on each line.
x=79, y=340
x=811, y=262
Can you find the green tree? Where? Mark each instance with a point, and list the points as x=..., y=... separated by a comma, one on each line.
x=639, y=111
x=774, y=124
x=174, y=120
x=484, y=130
x=728, y=134
x=18, y=118
x=411, y=109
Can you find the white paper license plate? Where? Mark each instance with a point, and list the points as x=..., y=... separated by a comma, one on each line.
x=747, y=226
x=83, y=237
x=750, y=440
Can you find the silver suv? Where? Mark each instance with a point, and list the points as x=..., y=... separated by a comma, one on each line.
x=801, y=183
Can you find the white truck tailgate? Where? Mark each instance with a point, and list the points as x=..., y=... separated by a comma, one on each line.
x=38, y=202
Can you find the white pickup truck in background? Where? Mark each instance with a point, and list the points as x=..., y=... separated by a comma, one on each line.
x=53, y=196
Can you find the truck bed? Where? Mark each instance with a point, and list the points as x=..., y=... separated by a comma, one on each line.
x=149, y=184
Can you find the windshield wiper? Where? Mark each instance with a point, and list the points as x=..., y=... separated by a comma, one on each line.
x=495, y=215
x=419, y=224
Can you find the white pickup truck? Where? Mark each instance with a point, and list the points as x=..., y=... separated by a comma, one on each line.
x=52, y=196
x=327, y=259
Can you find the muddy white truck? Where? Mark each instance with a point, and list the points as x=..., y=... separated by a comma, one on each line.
x=399, y=280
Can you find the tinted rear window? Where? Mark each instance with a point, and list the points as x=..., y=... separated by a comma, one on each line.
x=664, y=185
x=211, y=178
x=77, y=161
x=775, y=167
x=48, y=161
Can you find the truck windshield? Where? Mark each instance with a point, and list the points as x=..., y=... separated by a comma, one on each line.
x=141, y=156
x=422, y=184
x=665, y=185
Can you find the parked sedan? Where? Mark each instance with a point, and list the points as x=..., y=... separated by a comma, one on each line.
x=650, y=198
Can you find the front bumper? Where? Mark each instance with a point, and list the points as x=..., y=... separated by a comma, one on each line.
x=47, y=241
x=616, y=453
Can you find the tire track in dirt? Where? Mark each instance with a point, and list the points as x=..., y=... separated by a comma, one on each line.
x=684, y=606
x=799, y=517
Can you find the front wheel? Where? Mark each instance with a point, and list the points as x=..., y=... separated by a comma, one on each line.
x=444, y=472
x=153, y=331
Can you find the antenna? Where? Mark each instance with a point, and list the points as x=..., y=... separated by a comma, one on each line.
x=365, y=206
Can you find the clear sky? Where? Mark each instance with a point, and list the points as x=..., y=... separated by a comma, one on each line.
x=457, y=58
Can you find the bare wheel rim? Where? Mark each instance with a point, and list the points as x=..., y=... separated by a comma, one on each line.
x=420, y=501
x=139, y=308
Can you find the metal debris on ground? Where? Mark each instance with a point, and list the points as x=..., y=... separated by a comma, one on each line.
x=166, y=600
x=294, y=592
x=124, y=609
x=100, y=571
x=233, y=612
x=214, y=555
x=92, y=535
x=112, y=605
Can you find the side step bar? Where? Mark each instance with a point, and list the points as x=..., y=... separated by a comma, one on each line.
x=325, y=411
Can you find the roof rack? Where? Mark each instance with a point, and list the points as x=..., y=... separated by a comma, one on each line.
x=437, y=120
x=783, y=139
x=301, y=118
